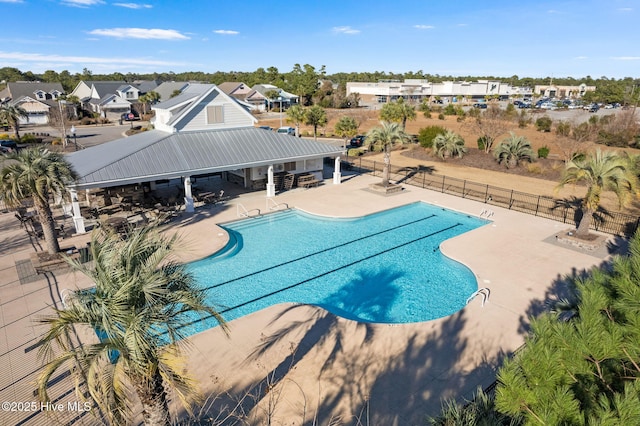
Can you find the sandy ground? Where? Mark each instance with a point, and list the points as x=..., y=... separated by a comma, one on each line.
x=528, y=184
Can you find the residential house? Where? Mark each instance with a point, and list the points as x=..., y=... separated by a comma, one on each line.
x=167, y=89
x=235, y=89
x=265, y=97
x=35, y=98
x=200, y=135
x=110, y=99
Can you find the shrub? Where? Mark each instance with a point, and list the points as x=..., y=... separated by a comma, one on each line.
x=534, y=168
x=543, y=152
x=29, y=138
x=523, y=123
x=86, y=120
x=563, y=128
x=482, y=142
x=543, y=124
x=4, y=136
x=427, y=114
x=449, y=144
x=355, y=152
x=426, y=135
x=514, y=150
x=56, y=141
x=441, y=116
x=449, y=110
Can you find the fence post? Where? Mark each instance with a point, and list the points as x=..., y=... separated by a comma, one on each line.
x=443, y=183
x=511, y=200
x=464, y=185
x=537, y=206
x=424, y=175
x=486, y=194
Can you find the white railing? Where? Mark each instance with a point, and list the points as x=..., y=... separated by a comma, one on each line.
x=485, y=292
x=243, y=212
x=274, y=205
x=486, y=213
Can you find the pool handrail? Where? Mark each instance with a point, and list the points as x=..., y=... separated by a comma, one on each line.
x=245, y=212
x=276, y=205
x=485, y=292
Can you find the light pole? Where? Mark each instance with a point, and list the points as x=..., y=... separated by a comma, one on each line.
x=73, y=132
x=280, y=99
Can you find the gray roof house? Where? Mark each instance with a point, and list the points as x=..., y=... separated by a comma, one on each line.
x=167, y=88
x=201, y=132
x=111, y=99
x=34, y=97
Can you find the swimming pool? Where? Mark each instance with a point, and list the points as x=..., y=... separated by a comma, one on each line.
x=382, y=268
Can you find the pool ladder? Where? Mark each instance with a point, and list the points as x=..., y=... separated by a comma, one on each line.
x=486, y=213
x=485, y=292
x=274, y=205
x=243, y=212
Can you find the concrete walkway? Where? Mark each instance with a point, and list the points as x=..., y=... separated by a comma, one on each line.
x=293, y=363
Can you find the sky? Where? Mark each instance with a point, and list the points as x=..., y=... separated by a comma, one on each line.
x=500, y=38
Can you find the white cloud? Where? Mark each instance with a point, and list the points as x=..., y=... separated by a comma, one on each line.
x=462, y=25
x=625, y=9
x=626, y=58
x=226, y=32
x=580, y=58
x=82, y=3
x=38, y=57
x=133, y=5
x=424, y=27
x=345, y=30
x=11, y=1
x=140, y=33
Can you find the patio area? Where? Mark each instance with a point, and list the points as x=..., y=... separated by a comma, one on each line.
x=296, y=363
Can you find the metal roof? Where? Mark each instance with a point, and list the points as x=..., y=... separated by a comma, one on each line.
x=156, y=155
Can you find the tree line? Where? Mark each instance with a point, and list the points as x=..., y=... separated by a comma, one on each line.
x=304, y=80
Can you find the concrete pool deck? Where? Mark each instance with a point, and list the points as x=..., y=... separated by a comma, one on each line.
x=295, y=364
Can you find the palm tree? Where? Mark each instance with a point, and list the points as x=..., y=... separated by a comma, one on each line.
x=37, y=173
x=513, y=150
x=601, y=171
x=449, y=144
x=11, y=114
x=142, y=301
x=346, y=127
x=386, y=137
x=399, y=112
x=316, y=117
x=149, y=98
x=271, y=96
x=295, y=115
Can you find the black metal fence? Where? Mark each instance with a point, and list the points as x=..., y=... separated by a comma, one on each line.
x=562, y=210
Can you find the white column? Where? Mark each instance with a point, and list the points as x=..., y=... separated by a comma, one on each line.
x=78, y=220
x=271, y=186
x=337, y=176
x=188, y=198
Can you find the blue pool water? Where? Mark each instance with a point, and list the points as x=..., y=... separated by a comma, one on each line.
x=381, y=268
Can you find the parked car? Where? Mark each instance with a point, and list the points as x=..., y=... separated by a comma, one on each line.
x=287, y=130
x=480, y=105
x=357, y=141
x=8, y=145
x=594, y=108
x=129, y=116
x=266, y=127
